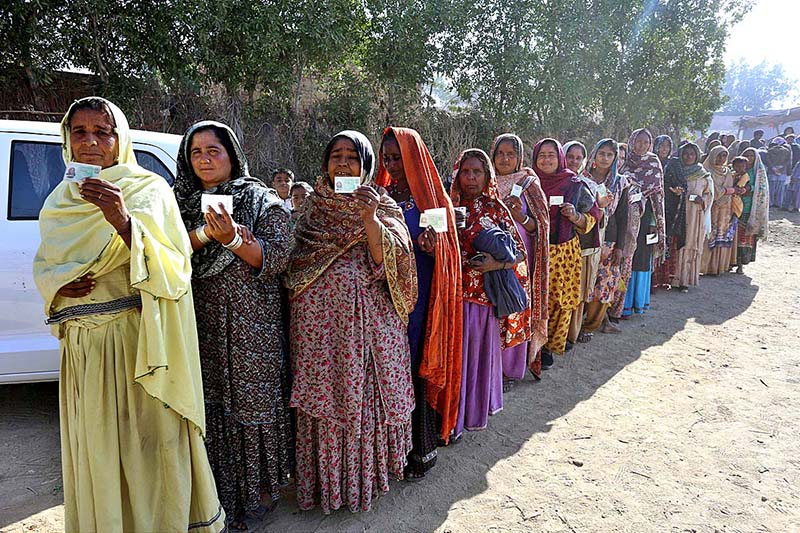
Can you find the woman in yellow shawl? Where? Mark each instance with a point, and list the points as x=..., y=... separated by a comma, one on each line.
x=353, y=283
x=113, y=268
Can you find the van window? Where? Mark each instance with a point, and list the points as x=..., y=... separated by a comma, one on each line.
x=36, y=169
x=154, y=164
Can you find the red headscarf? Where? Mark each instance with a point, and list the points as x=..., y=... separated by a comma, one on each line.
x=441, y=358
x=563, y=182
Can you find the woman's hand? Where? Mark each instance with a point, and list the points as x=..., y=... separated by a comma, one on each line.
x=368, y=200
x=676, y=190
x=108, y=197
x=514, y=204
x=78, y=288
x=488, y=264
x=427, y=240
x=605, y=201
x=569, y=211
x=245, y=233
x=220, y=226
x=616, y=257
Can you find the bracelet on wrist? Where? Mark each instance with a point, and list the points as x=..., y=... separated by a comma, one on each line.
x=201, y=234
x=235, y=243
x=527, y=219
x=127, y=228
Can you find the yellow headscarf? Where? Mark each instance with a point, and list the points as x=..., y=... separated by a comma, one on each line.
x=76, y=239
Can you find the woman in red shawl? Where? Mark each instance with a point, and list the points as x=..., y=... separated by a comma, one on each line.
x=529, y=210
x=407, y=171
x=484, y=335
x=573, y=211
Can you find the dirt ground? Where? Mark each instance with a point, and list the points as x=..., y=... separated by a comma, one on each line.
x=686, y=422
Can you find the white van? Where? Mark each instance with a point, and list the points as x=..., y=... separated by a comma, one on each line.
x=31, y=165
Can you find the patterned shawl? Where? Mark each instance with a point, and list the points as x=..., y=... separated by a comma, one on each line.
x=538, y=210
x=250, y=198
x=563, y=182
x=441, y=357
x=758, y=222
x=485, y=211
x=331, y=226
x=645, y=170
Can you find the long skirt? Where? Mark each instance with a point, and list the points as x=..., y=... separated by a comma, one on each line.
x=626, y=271
x=637, y=297
x=339, y=468
x=746, y=247
x=129, y=463
x=425, y=424
x=481, y=369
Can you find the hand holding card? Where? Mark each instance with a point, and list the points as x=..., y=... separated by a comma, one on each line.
x=77, y=172
x=435, y=218
x=213, y=201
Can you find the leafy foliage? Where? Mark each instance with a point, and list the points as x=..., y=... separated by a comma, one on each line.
x=287, y=74
x=752, y=88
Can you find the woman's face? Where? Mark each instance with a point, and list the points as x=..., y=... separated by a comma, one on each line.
x=689, y=157
x=664, y=150
x=282, y=183
x=343, y=160
x=393, y=160
x=623, y=153
x=641, y=144
x=92, y=138
x=575, y=157
x=604, y=158
x=721, y=159
x=547, y=159
x=472, y=178
x=751, y=159
x=505, y=158
x=209, y=158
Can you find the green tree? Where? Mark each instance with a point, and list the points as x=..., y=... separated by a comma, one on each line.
x=751, y=88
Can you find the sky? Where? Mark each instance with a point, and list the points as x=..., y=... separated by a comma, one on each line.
x=768, y=27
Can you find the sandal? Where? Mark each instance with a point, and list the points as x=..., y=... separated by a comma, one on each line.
x=585, y=336
x=238, y=524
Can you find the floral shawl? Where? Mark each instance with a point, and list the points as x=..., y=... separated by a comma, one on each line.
x=251, y=198
x=441, y=358
x=538, y=210
x=331, y=226
x=645, y=170
x=758, y=221
x=485, y=211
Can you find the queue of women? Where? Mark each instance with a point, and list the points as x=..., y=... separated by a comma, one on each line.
x=210, y=356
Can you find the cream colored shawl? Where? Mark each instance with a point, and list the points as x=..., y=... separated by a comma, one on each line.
x=76, y=239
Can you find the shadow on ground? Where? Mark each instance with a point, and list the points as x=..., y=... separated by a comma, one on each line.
x=461, y=473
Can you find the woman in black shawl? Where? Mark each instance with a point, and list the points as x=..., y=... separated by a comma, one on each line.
x=240, y=325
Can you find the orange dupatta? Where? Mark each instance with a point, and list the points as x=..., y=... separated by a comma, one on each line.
x=441, y=358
